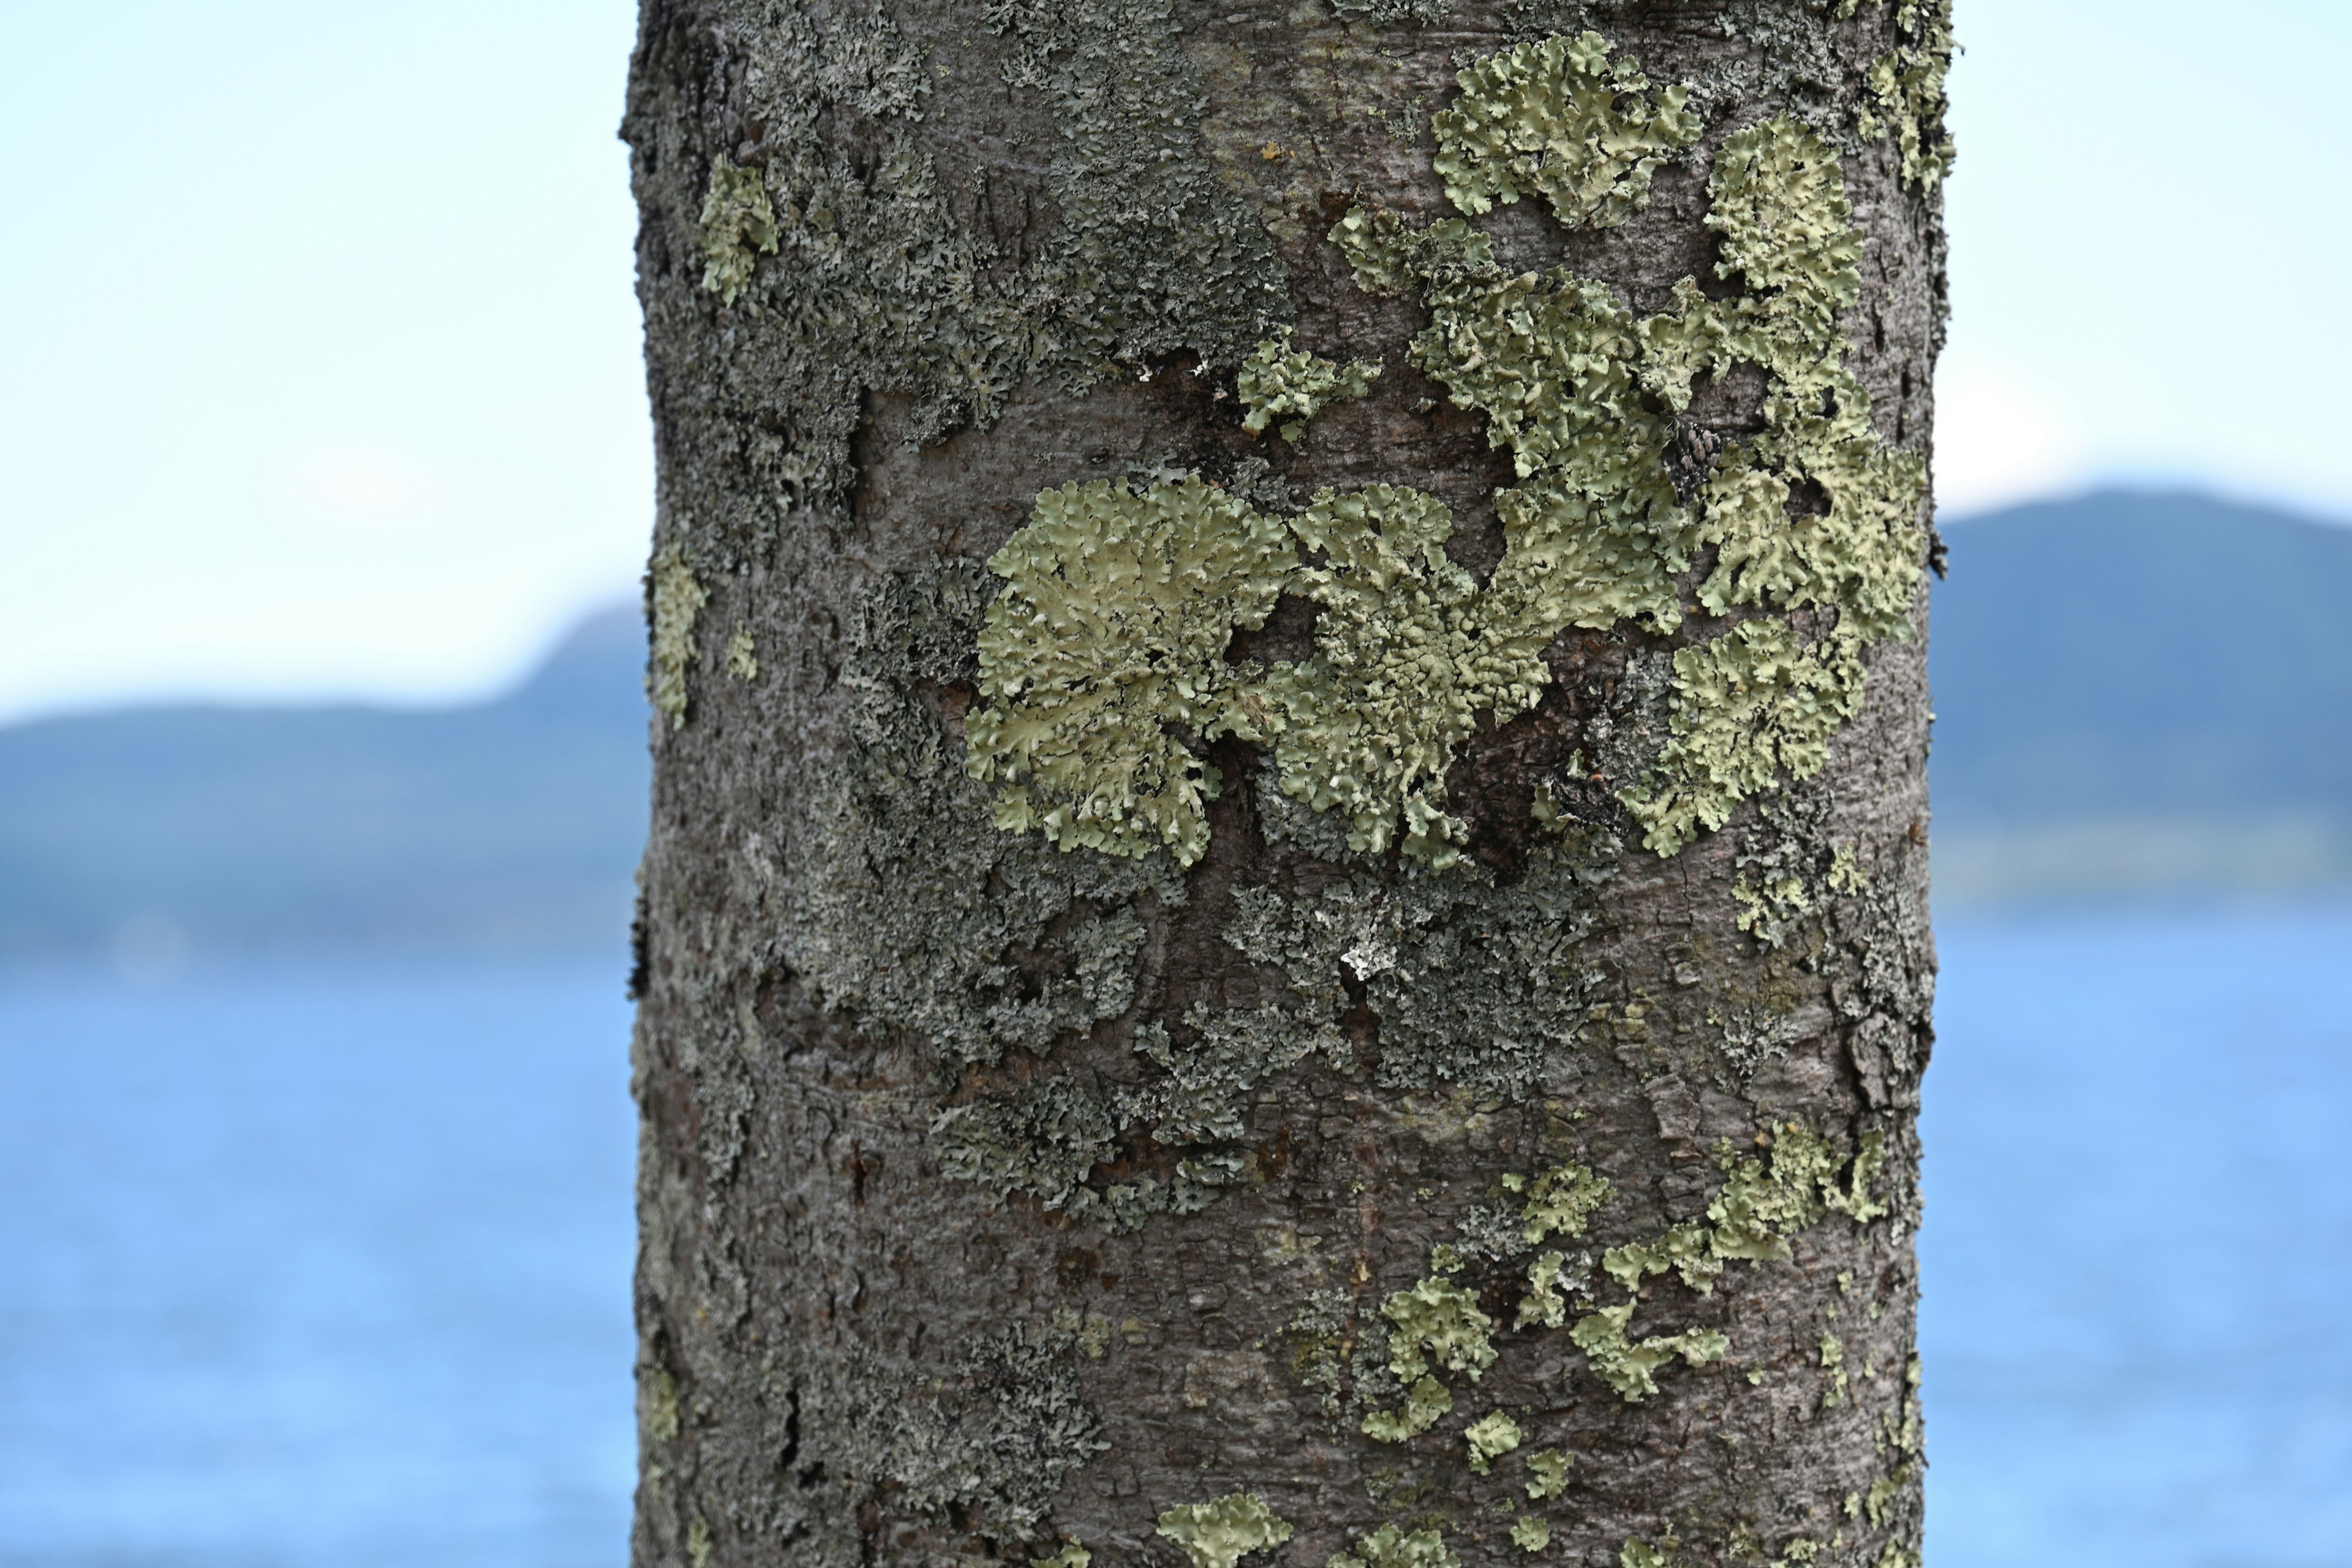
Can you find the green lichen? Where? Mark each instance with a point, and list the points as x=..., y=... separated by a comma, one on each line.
x=677, y=599
x=1547, y=1473
x=1543, y=1304
x=1490, y=1436
x=737, y=224
x=1218, y=1534
x=1367, y=725
x=1639, y=1553
x=1907, y=89
x=1562, y=1201
x=1279, y=382
x=1112, y=633
x=1685, y=1249
x=742, y=655
x=1630, y=1367
x=1437, y=1323
x=1832, y=1352
x=1748, y=705
x=1530, y=1533
x=1073, y=1555
x=1389, y=255
x=1045, y=1140
x=1389, y=1547
x=1557, y=118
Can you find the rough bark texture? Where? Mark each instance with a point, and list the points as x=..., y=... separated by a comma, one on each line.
x=1207, y=1190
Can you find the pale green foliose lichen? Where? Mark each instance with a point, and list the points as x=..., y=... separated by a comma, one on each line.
x=1558, y=118
x=1629, y=1366
x=1547, y=1473
x=1640, y=1553
x=1561, y=1202
x=1530, y=1533
x=677, y=599
x=1073, y=1555
x=1490, y=1436
x=1389, y=1547
x=1111, y=634
x=1367, y=725
x=1278, y=382
x=742, y=655
x=738, y=222
x=1218, y=1534
x=1438, y=1322
x=1906, y=86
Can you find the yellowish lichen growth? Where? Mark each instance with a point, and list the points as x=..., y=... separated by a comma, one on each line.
x=1220, y=1533
x=1367, y=725
x=1557, y=118
x=1747, y=704
x=1907, y=89
x=1759, y=1207
x=1547, y=1473
x=1685, y=1249
x=1543, y=1304
x=1833, y=1362
x=1640, y=1553
x=1389, y=255
x=1435, y=1321
x=1073, y=1555
x=1561, y=1202
x=1490, y=1436
x=677, y=598
x=1278, y=382
x=1389, y=1547
x=743, y=657
x=1628, y=1366
x=1530, y=1533
x=737, y=222
x=1111, y=635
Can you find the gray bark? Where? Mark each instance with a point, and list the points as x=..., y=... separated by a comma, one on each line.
x=999, y=1198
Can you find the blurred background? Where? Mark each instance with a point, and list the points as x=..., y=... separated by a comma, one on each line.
x=324, y=484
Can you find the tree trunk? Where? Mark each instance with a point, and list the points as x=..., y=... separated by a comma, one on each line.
x=1285, y=919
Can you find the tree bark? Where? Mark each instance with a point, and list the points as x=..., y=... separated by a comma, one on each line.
x=1286, y=916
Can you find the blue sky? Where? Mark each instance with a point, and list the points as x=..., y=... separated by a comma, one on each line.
x=321, y=377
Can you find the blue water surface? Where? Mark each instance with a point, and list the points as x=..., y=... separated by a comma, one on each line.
x=327, y=1266
x=331, y=1267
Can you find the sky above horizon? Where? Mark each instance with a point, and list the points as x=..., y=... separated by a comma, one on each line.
x=324, y=379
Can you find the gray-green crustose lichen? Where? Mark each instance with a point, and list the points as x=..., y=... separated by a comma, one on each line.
x=1278, y=382
x=1530, y=1533
x=677, y=599
x=912, y=905
x=878, y=287
x=1558, y=118
x=1219, y=1533
x=1475, y=984
x=1112, y=633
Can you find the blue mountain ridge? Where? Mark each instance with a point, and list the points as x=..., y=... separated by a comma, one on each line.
x=2135, y=693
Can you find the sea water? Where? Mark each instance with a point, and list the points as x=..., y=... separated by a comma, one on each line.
x=331, y=1267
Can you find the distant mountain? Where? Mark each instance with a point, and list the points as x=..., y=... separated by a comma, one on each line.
x=2142, y=692
x=166, y=833
x=2134, y=693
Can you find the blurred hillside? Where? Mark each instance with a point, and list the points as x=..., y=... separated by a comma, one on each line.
x=162, y=834
x=2142, y=694
x=2135, y=695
